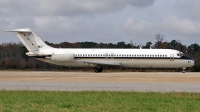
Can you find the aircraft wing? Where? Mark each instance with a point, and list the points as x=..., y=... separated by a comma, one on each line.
x=100, y=62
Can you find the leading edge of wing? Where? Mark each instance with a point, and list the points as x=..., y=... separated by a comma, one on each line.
x=100, y=62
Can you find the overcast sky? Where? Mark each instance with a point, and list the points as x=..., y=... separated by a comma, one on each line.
x=107, y=21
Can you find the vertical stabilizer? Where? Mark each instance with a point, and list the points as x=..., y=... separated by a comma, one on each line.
x=30, y=40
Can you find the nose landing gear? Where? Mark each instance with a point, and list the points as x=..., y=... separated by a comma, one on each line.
x=183, y=70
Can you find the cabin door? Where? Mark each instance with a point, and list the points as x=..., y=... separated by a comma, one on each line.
x=106, y=55
x=171, y=57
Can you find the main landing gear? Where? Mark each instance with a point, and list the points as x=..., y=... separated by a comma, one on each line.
x=98, y=70
x=183, y=70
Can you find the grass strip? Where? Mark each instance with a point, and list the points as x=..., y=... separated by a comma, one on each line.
x=45, y=101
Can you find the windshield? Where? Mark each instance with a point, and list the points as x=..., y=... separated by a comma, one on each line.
x=180, y=54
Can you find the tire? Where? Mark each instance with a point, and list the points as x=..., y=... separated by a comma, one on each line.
x=98, y=70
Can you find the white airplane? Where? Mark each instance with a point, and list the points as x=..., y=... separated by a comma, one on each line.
x=98, y=58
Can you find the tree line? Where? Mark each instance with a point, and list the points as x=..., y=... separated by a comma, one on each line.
x=12, y=55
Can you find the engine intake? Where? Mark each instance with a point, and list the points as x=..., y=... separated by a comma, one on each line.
x=62, y=57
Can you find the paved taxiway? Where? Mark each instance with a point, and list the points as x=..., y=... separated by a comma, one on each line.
x=87, y=81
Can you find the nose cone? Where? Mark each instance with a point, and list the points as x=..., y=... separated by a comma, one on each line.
x=192, y=63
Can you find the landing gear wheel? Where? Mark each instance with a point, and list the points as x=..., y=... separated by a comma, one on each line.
x=98, y=70
x=183, y=70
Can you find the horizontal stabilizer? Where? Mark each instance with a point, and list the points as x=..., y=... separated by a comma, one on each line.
x=19, y=30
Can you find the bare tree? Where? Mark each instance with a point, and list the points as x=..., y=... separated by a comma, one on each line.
x=131, y=43
x=178, y=45
x=159, y=40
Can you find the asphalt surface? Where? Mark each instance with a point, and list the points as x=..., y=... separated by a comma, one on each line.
x=87, y=81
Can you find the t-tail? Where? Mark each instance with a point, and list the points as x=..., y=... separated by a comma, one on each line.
x=31, y=41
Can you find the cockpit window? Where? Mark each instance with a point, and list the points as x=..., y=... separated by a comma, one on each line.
x=180, y=54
